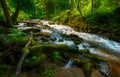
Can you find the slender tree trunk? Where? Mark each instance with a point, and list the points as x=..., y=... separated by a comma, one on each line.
x=79, y=8
x=71, y=8
x=92, y=6
x=46, y=9
x=54, y=2
x=15, y=15
x=72, y=5
x=6, y=13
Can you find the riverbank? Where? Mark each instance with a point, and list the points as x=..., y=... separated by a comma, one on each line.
x=103, y=24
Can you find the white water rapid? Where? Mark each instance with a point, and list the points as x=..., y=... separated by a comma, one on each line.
x=89, y=40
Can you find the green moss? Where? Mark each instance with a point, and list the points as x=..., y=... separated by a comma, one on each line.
x=34, y=61
x=49, y=72
x=50, y=48
x=24, y=40
x=6, y=70
x=56, y=56
x=87, y=68
x=46, y=34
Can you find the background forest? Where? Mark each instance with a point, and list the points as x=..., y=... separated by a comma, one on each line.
x=84, y=14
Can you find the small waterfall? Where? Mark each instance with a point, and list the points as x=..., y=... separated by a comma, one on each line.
x=68, y=65
x=104, y=68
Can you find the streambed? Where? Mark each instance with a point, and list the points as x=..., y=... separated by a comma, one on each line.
x=107, y=49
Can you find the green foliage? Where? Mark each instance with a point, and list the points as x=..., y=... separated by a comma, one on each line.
x=31, y=59
x=49, y=72
x=23, y=16
x=56, y=55
x=5, y=71
x=97, y=18
x=14, y=35
x=27, y=6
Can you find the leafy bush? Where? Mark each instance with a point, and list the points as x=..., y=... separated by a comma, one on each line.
x=14, y=35
x=56, y=56
x=5, y=71
x=98, y=18
x=49, y=72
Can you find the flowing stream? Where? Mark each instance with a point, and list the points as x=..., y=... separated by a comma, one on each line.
x=96, y=44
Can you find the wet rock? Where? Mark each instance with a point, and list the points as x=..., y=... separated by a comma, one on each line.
x=53, y=38
x=75, y=38
x=51, y=22
x=44, y=39
x=31, y=29
x=86, y=53
x=77, y=61
x=44, y=36
x=46, y=27
x=61, y=40
x=38, y=22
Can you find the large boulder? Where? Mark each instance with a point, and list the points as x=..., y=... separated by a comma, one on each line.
x=49, y=49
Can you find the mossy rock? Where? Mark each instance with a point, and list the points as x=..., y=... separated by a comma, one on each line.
x=45, y=34
x=86, y=53
x=45, y=39
x=34, y=61
x=51, y=22
x=74, y=38
x=77, y=61
x=31, y=29
x=48, y=49
x=87, y=67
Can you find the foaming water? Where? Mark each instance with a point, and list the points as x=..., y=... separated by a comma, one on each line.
x=92, y=38
x=89, y=39
x=68, y=65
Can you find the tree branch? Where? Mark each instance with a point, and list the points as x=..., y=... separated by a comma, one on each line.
x=25, y=53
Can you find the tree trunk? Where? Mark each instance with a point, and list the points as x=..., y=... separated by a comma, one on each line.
x=54, y=2
x=79, y=8
x=25, y=53
x=92, y=6
x=6, y=13
x=15, y=15
x=71, y=9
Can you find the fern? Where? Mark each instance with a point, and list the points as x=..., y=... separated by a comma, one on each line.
x=14, y=35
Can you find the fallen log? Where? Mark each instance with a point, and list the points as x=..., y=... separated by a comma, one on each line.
x=25, y=53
